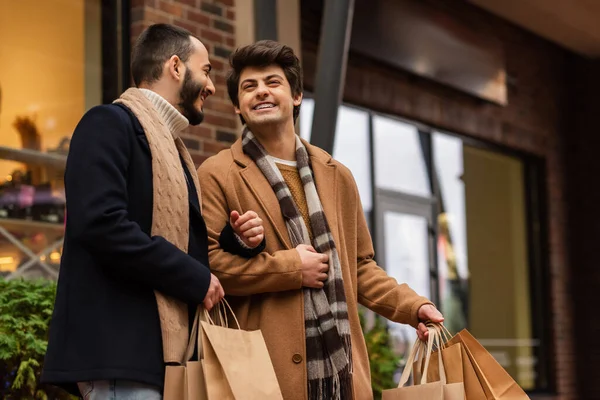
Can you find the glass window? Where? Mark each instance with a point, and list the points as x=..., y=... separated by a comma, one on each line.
x=55, y=77
x=306, y=117
x=407, y=260
x=351, y=146
x=499, y=308
x=483, y=252
x=399, y=162
x=452, y=235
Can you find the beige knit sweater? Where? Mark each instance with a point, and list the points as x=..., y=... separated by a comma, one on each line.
x=170, y=215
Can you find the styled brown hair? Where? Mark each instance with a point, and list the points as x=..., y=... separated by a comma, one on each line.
x=262, y=54
x=154, y=47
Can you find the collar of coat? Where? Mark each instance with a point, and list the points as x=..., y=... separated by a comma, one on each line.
x=314, y=152
x=326, y=179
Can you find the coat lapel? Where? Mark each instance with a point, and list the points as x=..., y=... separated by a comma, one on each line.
x=262, y=191
x=325, y=174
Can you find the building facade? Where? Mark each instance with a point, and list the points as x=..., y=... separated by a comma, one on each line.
x=471, y=139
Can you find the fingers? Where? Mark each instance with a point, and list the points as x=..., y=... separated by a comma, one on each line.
x=214, y=294
x=244, y=218
x=253, y=232
x=208, y=304
x=233, y=217
x=256, y=240
x=322, y=277
x=251, y=224
x=437, y=316
x=324, y=258
x=324, y=268
x=422, y=331
x=428, y=312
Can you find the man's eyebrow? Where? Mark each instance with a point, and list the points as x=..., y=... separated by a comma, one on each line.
x=248, y=81
x=273, y=76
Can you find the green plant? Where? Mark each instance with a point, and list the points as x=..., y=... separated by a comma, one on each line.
x=25, y=313
x=382, y=359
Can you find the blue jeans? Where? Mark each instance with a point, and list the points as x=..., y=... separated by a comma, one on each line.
x=118, y=390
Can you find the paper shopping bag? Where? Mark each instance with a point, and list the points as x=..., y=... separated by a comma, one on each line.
x=438, y=390
x=458, y=367
x=241, y=359
x=495, y=382
x=453, y=364
x=187, y=380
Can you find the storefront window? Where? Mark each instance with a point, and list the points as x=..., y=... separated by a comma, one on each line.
x=55, y=76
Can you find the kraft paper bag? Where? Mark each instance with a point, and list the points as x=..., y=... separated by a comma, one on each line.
x=494, y=381
x=438, y=390
x=187, y=380
x=458, y=367
x=241, y=360
x=453, y=364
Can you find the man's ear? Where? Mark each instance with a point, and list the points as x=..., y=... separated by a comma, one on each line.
x=298, y=100
x=175, y=68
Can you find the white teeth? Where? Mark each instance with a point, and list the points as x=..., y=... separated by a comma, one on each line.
x=264, y=105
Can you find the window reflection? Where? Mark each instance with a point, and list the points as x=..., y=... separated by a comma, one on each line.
x=351, y=146
x=452, y=242
x=399, y=162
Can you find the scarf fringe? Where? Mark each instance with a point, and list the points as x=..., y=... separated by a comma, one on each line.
x=338, y=387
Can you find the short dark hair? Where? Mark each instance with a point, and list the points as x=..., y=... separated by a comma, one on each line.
x=154, y=47
x=263, y=54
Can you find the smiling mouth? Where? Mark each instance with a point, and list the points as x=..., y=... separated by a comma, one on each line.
x=263, y=106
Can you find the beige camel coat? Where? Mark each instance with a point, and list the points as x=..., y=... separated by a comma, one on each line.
x=265, y=291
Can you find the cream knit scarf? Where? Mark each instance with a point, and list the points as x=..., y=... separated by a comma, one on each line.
x=170, y=214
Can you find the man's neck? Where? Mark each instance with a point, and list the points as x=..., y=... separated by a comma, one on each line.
x=279, y=143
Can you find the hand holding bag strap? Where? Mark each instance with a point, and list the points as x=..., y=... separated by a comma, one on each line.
x=445, y=335
x=220, y=313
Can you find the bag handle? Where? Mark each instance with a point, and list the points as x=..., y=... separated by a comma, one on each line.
x=424, y=350
x=444, y=332
x=432, y=337
x=409, y=364
x=435, y=334
x=195, y=338
x=224, y=322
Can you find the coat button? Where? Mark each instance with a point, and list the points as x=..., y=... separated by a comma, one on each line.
x=297, y=358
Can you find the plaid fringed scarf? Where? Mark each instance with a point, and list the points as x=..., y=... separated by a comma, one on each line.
x=328, y=347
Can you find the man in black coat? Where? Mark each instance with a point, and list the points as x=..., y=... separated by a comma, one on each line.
x=105, y=336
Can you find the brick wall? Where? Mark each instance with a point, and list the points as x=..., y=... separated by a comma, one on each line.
x=213, y=21
x=533, y=122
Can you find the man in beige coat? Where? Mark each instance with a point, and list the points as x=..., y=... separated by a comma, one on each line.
x=303, y=291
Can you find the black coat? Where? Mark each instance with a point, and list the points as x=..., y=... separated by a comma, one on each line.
x=105, y=323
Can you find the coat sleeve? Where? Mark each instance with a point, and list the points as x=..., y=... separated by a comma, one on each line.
x=97, y=203
x=376, y=289
x=240, y=276
x=232, y=243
